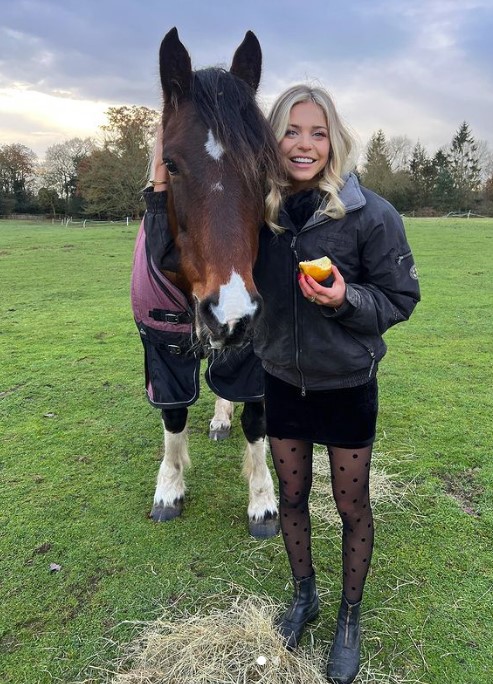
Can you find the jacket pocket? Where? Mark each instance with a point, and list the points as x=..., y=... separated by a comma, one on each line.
x=369, y=348
x=399, y=258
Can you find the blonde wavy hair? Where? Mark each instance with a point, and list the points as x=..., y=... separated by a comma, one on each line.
x=342, y=155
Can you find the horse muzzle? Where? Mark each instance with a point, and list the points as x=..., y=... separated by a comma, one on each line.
x=220, y=330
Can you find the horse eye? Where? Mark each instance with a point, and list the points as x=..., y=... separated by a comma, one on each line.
x=171, y=166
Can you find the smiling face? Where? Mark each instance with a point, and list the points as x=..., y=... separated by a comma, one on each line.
x=306, y=145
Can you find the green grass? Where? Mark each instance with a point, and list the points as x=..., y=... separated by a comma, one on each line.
x=80, y=448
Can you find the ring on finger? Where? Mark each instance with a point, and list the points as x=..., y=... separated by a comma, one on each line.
x=312, y=299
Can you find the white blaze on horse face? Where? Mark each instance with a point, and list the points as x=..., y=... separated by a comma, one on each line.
x=217, y=187
x=234, y=301
x=214, y=147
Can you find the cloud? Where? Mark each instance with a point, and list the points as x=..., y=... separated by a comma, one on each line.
x=43, y=120
x=418, y=68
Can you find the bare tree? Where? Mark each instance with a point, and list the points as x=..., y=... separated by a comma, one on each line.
x=485, y=159
x=399, y=150
x=60, y=172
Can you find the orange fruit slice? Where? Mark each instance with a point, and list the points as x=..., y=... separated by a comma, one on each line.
x=318, y=269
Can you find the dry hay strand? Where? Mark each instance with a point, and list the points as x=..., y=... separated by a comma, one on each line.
x=220, y=647
x=385, y=488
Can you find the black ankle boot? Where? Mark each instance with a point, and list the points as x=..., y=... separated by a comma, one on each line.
x=304, y=608
x=344, y=656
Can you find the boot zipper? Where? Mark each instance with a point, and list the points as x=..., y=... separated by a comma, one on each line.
x=348, y=617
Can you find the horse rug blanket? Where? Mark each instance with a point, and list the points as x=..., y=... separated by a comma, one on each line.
x=172, y=352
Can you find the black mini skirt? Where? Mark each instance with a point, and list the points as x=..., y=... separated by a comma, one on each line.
x=344, y=418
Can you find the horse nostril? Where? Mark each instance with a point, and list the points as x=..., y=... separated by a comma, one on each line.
x=231, y=325
x=232, y=329
x=239, y=331
x=206, y=314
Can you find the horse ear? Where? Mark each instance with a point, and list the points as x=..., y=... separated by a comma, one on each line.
x=175, y=67
x=247, y=60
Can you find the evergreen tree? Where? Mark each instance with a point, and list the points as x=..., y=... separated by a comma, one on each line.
x=377, y=173
x=444, y=195
x=464, y=166
x=379, y=176
x=422, y=173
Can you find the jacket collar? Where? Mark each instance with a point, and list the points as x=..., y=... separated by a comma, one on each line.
x=350, y=193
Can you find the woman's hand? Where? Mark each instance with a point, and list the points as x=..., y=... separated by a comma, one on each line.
x=159, y=180
x=333, y=296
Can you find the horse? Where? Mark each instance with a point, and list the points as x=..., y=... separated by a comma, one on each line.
x=219, y=152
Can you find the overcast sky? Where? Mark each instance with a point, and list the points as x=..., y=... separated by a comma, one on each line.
x=410, y=67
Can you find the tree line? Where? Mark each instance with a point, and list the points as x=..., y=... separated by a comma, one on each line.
x=100, y=179
x=104, y=178
x=457, y=178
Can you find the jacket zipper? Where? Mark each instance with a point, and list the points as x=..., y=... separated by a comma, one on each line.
x=401, y=257
x=368, y=349
x=296, y=331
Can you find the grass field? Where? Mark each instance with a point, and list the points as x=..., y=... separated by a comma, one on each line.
x=80, y=447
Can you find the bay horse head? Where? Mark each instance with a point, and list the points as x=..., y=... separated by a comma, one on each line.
x=218, y=149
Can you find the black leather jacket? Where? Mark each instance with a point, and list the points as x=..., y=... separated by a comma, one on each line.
x=316, y=347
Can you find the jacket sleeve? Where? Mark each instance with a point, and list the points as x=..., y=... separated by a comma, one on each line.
x=388, y=290
x=160, y=242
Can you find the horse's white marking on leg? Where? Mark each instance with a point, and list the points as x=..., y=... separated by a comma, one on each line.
x=261, y=488
x=170, y=483
x=223, y=415
x=214, y=147
x=234, y=301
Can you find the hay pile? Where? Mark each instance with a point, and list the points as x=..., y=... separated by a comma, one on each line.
x=230, y=638
x=237, y=645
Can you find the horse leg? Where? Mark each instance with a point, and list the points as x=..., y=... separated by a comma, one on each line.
x=170, y=486
x=220, y=425
x=263, y=521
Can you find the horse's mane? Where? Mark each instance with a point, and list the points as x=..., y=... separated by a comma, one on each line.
x=227, y=106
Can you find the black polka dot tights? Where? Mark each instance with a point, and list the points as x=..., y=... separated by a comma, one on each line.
x=350, y=470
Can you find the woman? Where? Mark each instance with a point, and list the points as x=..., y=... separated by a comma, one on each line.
x=321, y=344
